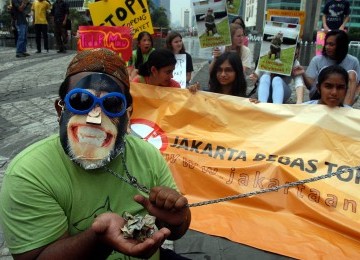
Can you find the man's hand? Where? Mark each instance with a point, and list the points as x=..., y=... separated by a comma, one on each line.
x=166, y=204
x=107, y=226
x=297, y=71
x=193, y=88
x=216, y=52
x=254, y=77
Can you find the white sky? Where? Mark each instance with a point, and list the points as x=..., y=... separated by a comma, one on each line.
x=177, y=8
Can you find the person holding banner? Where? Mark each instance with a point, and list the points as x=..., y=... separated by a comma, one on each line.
x=227, y=76
x=175, y=44
x=158, y=69
x=237, y=37
x=334, y=52
x=141, y=54
x=332, y=85
x=69, y=196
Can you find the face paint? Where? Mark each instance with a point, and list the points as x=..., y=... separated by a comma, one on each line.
x=93, y=146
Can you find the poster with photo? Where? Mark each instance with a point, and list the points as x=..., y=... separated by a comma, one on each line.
x=212, y=23
x=233, y=7
x=278, y=47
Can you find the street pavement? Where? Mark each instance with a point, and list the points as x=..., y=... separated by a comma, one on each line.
x=28, y=90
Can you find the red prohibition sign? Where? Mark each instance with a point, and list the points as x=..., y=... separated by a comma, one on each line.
x=150, y=132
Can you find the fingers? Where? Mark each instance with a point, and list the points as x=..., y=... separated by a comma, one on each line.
x=162, y=198
x=150, y=245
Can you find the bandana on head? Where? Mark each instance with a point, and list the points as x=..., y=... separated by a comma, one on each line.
x=99, y=60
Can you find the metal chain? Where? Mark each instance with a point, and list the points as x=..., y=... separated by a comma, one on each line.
x=131, y=179
x=276, y=188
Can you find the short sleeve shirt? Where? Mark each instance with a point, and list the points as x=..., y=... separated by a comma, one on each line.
x=335, y=12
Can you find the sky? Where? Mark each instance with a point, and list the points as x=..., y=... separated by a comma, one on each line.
x=177, y=9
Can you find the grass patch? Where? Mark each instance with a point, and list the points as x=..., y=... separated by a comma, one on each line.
x=236, y=7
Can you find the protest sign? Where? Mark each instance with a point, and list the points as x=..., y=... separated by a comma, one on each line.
x=212, y=23
x=180, y=70
x=115, y=38
x=130, y=13
x=276, y=55
x=287, y=16
x=233, y=7
x=214, y=153
x=320, y=42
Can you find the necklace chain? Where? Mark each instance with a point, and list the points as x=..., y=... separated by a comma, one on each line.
x=133, y=181
x=130, y=178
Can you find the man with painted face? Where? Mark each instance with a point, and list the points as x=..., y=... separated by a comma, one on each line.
x=64, y=197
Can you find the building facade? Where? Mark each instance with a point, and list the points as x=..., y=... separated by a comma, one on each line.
x=186, y=18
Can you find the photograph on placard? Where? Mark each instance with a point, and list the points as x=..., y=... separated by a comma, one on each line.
x=233, y=6
x=212, y=23
x=278, y=47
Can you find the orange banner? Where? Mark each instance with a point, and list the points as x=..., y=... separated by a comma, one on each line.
x=220, y=145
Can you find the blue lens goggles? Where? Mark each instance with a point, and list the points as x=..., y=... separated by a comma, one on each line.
x=80, y=101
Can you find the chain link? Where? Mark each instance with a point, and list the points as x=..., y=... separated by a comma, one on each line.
x=276, y=188
x=133, y=181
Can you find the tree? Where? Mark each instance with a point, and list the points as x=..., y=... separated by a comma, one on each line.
x=158, y=15
x=5, y=19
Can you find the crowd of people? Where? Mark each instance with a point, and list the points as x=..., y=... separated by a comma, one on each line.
x=102, y=173
x=40, y=12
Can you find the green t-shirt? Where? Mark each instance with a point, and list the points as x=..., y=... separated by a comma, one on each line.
x=133, y=59
x=44, y=194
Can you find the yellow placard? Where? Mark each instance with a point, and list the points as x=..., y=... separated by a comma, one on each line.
x=131, y=13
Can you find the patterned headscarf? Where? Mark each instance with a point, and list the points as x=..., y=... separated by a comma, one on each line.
x=99, y=60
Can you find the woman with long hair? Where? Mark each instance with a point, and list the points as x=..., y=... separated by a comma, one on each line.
x=141, y=54
x=175, y=44
x=237, y=46
x=227, y=75
x=334, y=52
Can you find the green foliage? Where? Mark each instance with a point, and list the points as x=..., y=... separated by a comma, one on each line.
x=77, y=19
x=5, y=19
x=159, y=17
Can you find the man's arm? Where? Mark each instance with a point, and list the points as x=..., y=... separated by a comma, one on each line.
x=170, y=209
x=98, y=242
